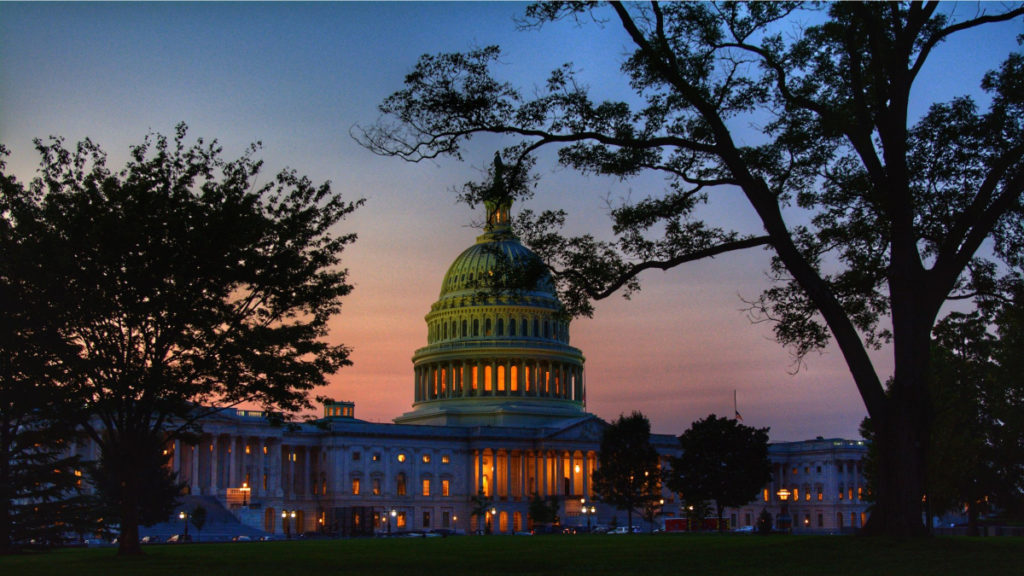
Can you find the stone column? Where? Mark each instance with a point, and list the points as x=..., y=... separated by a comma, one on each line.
x=572, y=472
x=233, y=481
x=306, y=470
x=214, y=457
x=194, y=461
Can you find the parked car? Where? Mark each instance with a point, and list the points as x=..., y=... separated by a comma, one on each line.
x=179, y=539
x=241, y=538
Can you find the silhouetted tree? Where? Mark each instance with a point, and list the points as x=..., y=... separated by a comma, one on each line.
x=722, y=460
x=874, y=221
x=199, y=519
x=543, y=510
x=628, y=476
x=185, y=286
x=40, y=481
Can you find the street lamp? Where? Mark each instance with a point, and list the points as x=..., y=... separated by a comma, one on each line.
x=490, y=518
x=393, y=514
x=588, y=512
x=784, y=522
x=184, y=520
x=245, y=494
x=287, y=517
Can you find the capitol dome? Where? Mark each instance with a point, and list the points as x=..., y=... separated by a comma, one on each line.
x=497, y=348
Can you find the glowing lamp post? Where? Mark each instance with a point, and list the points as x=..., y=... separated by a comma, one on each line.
x=287, y=517
x=245, y=494
x=184, y=520
x=393, y=514
x=588, y=512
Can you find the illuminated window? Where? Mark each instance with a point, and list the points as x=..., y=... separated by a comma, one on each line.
x=264, y=481
x=426, y=458
x=795, y=471
x=821, y=495
x=860, y=493
x=376, y=486
x=400, y=520
x=400, y=484
x=355, y=486
x=401, y=457
x=426, y=486
x=765, y=494
x=265, y=449
x=292, y=457
x=445, y=488
x=445, y=459
x=247, y=449
x=376, y=457
x=796, y=493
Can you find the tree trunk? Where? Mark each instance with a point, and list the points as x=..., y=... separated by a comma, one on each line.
x=900, y=483
x=128, y=542
x=972, y=519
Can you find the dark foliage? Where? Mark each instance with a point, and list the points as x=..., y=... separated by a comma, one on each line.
x=722, y=460
x=178, y=284
x=628, y=476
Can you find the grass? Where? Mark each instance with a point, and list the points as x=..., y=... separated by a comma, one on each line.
x=595, y=554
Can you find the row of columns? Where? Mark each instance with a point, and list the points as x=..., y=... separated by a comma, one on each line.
x=517, y=474
x=268, y=467
x=493, y=377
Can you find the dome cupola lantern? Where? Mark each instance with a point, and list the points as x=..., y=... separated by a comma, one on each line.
x=498, y=201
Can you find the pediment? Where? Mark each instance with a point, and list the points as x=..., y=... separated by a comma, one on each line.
x=588, y=429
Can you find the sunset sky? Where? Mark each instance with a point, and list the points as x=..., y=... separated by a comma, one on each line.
x=298, y=77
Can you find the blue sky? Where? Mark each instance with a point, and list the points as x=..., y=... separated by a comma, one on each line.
x=299, y=76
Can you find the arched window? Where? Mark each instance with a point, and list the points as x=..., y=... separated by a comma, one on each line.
x=512, y=327
x=487, y=327
x=464, y=326
x=501, y=326
x=476, y=327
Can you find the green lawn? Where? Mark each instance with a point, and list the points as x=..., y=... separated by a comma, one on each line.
x=597, y=554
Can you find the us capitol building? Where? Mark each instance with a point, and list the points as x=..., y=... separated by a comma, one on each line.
x=498, y=415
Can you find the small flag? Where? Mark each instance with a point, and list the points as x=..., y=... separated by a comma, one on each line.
x=735, y=409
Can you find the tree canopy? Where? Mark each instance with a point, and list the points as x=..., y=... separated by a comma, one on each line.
x=874, y=219
x=628, y=474
x=185, y=285
x=721, y=460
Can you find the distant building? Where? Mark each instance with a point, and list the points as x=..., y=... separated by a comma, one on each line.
x=498, y=415
x=823, y=482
